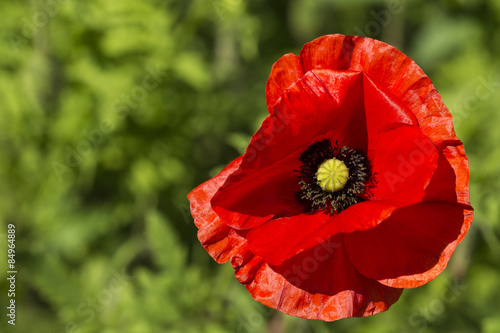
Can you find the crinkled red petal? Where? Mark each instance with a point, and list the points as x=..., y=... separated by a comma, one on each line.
x=320, y=283
x=398, y=76
x=295, y=234
x=220, y=241
x=451, y=182
x=446, y=193
x=328, y=52
x=411, y=247
x=350, y=294
x=284, y=73
x=383, y=110
x=404, y=163
x=387, y=67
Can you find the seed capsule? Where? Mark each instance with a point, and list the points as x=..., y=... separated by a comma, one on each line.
x=332, y=175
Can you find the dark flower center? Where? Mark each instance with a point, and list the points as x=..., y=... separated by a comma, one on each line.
x=332, y=179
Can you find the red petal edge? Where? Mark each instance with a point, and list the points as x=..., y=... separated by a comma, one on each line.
x=411, y=247
x=284, y=73
x=271, y=286
x=404, y=80
x=220, y=241
x=298, y=287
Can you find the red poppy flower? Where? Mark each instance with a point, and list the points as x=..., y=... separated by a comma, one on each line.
x=354, y=188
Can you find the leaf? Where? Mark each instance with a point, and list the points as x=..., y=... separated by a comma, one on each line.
x=167, y=250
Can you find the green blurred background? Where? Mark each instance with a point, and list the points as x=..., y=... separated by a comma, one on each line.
x=112, y=111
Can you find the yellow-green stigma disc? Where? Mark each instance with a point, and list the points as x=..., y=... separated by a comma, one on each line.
x=332, y=175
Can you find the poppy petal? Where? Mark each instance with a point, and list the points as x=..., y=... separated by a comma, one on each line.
x=328, y=52
x=320, y=104
x=284, y=73
x=220, y=241
x=269, y=286
x=403, y=164
x=405, y=80
x=407, y=83
x=295, y=234
x=320, y=283
x=383, y=109
x=265, y=184
x=252, y=196
x=451, y=180
x=411, y=247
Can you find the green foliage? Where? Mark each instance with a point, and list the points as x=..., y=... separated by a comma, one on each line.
x=112, y=111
